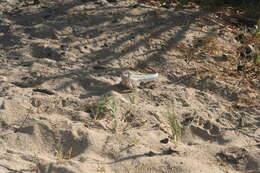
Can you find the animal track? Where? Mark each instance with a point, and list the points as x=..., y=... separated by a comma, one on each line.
x=204, y=129
x=240, y=159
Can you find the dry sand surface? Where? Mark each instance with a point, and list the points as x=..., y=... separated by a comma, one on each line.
x=62, y=109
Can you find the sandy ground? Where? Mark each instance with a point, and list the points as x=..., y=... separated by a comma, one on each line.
x=58, y=60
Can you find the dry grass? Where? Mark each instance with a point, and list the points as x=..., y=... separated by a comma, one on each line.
x=61, y=155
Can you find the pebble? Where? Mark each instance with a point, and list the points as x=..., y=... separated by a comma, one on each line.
x=3, y=79
x=164, y=141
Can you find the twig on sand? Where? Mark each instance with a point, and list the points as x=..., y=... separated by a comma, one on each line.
x=22, y=124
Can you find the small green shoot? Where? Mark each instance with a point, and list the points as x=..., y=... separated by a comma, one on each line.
x=257, y=60
x=175, y=126
x=257, y=34
x=113, y=107
x=162, y=45
x=132, y=98
x=101, y=106
x=61, y=155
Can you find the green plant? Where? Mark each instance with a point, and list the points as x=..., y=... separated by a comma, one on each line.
x=101, y=106
x=113, y=108
x=162, y=45
x=175, y=126
x=132, y=98
x=60, y=153
x=257, y=60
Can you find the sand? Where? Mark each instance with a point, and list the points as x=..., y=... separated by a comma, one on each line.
x=59, y=58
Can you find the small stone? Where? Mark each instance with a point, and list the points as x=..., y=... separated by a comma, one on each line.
x=64, y=47
x=164, y=141
x=240, y=68
x=135, y=6
x=167, y=6
x=3, y=79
